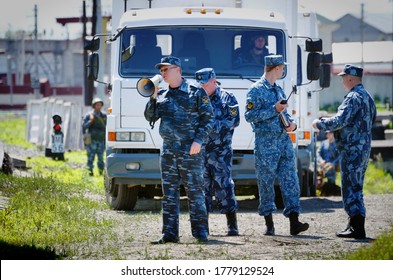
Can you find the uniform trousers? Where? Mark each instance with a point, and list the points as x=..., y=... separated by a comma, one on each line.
x=275, y=159
x=353, y=167
x=178, y=166
x=218, y=180
x=95, y=148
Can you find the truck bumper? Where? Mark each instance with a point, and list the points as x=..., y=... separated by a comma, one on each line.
x=133, y=169
x=147, y=169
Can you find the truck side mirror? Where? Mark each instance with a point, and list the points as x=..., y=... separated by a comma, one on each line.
x=93, y=67
x=92, y=45
x=313, y=66
x=324, y=80
x=313, y=45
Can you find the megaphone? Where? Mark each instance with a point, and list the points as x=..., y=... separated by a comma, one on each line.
x=146, y=87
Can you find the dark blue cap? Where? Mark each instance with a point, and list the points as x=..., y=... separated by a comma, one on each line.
x=202, y=76
x=274, y=60
x=169, y=60
x=351, y=70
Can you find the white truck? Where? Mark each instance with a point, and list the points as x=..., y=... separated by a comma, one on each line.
x=204, y=33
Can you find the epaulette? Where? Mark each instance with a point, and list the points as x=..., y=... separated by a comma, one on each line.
x=193, y=87
x=229, y=93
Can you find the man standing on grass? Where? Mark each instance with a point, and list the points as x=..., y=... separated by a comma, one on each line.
x=94, y=123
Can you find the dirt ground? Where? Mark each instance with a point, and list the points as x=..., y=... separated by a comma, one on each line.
x=324, y=214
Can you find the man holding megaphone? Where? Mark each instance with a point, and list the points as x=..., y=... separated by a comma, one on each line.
x=186, y=120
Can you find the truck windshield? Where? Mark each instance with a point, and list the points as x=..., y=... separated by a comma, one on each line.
x=231, y=51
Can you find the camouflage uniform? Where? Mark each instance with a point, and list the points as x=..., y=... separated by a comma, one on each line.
x=352, y=130
x=328, y=152
x=97, y=130
x=218, y=153
x=274, y=153
x=186, y=116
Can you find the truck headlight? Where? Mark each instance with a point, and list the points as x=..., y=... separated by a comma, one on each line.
x=138, y=136
x=122, y=136
x=130, y=136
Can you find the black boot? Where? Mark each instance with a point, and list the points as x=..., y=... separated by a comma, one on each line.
x=164, y=240
x=295, y=226
x=232, y=224
x=269, y=225
x=347, y=232
x=355, y=228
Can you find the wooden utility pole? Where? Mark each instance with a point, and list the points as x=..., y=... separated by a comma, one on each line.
x=36, y=79
x=90, y=83
x=88, y=96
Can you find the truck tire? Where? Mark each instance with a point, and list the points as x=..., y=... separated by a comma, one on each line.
x=122, y=197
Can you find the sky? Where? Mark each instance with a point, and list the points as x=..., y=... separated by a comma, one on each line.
x=22, y=17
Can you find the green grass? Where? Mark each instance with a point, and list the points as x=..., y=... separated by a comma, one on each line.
x=376, y=181
x=47, y=212
x=52, y=214
x=72, y=170
x=332, y=108
x=380, y=249
x=13, y=131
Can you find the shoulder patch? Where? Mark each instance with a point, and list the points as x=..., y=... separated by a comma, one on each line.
x=233, y=112
x=205, y=100
x=250, y=106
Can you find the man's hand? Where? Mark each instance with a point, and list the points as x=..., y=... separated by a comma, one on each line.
x=280, y=107
x=314, y=123
x=291, y=127
x=195, y=148
x=154, y=95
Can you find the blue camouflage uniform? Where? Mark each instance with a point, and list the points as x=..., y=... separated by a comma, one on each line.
x=274, y=153
x=218, y=153
x=329, y=153
x=352, y=130
x=97, y=130
x=186, y=116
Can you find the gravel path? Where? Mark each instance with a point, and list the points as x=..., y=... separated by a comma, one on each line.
x=324, y=214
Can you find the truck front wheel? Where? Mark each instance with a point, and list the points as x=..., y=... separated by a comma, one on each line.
x=120, y=196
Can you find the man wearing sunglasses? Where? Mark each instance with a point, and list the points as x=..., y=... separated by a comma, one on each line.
x=186, y=120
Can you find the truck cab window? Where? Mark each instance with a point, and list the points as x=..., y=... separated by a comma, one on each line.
x=230, y=51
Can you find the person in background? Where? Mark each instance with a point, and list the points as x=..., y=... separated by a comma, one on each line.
x=186, y=120
x=218, y=149
x=255, y=54
x=274, y=153
x=352, y=126
x=94, y=123
x=328, y=157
